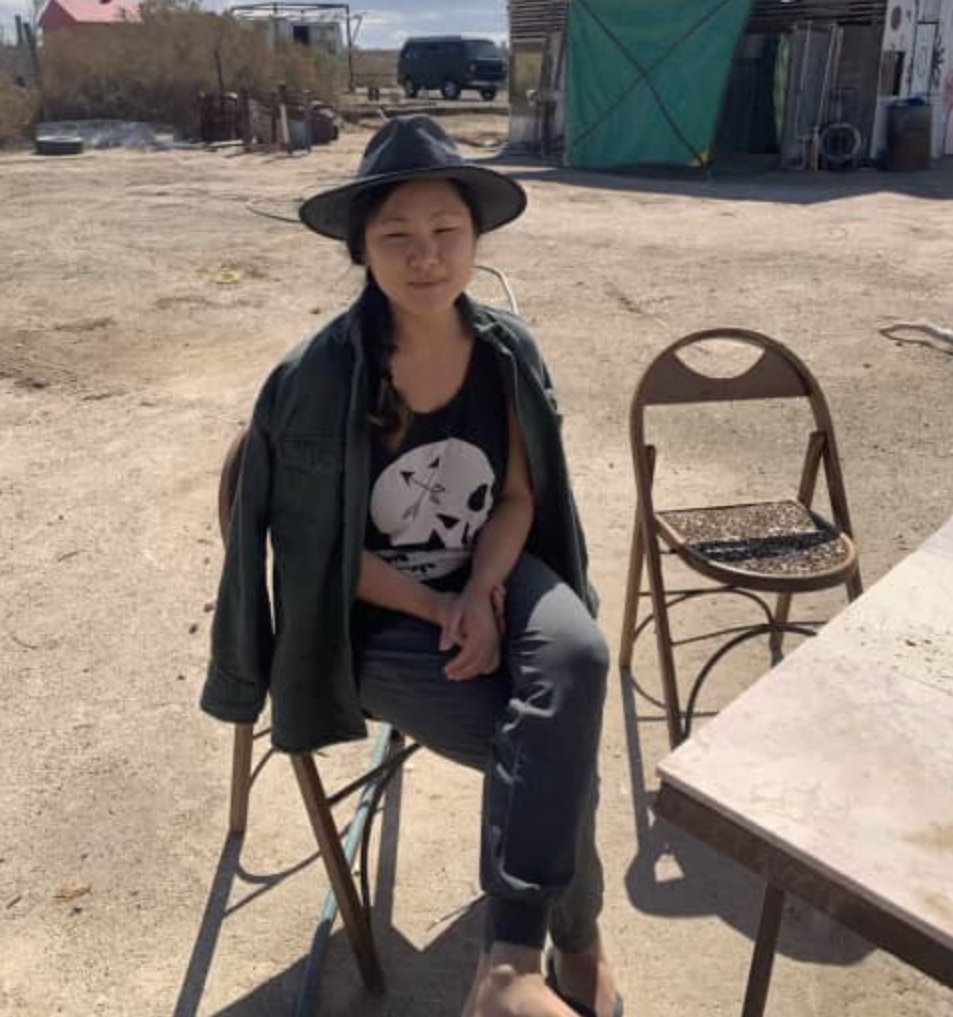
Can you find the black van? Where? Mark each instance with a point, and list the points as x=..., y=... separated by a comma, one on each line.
x=451, y=63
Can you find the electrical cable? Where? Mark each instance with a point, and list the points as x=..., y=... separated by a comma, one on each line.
x=254, y=203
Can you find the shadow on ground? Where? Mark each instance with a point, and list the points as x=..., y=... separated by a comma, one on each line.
x=740, y=182
x=674, y=875
x=430, y=980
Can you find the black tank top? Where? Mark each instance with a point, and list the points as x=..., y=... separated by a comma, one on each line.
x=431, y=495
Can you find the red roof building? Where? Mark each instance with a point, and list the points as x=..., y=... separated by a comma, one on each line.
x=66, y=13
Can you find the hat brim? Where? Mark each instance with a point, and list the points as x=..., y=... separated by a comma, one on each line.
x=499, y=199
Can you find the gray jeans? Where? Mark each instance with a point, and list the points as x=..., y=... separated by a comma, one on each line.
x=532, y=728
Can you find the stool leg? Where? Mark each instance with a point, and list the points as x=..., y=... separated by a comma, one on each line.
x=339, y=872
x=762, y=961
x=241, y=777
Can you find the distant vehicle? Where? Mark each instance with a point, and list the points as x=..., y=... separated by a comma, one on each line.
x=452, y=64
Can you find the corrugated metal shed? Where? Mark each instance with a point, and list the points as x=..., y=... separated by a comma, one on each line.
x=531, y=21
x=778, y=14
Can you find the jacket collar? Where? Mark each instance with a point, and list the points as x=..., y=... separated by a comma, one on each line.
x=477, y=316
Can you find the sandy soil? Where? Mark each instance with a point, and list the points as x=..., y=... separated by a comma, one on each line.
x=143, y=303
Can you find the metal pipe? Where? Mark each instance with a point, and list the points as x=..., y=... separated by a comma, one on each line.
x=350, y=49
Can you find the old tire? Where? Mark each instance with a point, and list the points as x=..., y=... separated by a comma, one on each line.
x=59, y=146
x=450, y=89
x=410, y=88
x=488, y=94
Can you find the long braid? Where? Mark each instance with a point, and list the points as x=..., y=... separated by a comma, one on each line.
x=388, y=409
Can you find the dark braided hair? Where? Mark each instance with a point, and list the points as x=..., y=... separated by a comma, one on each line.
x=388, y=409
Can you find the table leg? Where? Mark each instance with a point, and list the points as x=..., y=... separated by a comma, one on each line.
x=762, y=961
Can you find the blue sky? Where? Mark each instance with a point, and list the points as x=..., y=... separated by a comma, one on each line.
x=385, y=24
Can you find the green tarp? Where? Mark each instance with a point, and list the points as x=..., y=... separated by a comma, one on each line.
x=644, y=79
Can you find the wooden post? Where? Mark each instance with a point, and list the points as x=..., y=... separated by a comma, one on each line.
x=306, y=100
x=350, y=50
x=244, y=118
x=284, y=132
x=27, y=33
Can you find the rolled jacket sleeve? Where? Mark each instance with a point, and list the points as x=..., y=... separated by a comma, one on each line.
x=242, y=631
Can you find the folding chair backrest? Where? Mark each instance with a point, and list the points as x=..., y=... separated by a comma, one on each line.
x=228, y=482
x=776, y=374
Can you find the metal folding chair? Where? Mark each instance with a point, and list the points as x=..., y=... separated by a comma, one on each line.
x=782, y=547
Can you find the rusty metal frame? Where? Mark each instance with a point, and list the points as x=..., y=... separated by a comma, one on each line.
x=773, y=627
x=669, y=381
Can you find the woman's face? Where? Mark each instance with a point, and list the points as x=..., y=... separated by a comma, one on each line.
x=420, y=246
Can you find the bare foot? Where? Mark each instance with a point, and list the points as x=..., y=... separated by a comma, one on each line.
x=508, y=983
x=587, y=978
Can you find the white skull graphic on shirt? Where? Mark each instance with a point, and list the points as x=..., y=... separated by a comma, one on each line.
x=430, y=503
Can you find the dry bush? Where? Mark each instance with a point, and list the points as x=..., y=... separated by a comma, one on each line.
x=376, y=67
x=153, y=70
x=18, y=110
x=15, y=61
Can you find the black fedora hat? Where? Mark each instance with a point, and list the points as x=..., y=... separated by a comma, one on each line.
x=414, y=148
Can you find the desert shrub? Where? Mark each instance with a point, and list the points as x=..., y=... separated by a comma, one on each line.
x=18, y=110
x=376, y=67
x=14, y=60
x=153, y=70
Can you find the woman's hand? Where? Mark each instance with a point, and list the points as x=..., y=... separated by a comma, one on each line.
x=472, y=620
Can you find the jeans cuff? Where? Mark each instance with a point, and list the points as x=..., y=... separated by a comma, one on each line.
x=516, y=923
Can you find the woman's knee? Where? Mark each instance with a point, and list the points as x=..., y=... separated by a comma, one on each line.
x=584, y=656
x=568, y=665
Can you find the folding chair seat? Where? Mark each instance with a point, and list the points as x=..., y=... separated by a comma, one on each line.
x=778, y=546
x=772, y=546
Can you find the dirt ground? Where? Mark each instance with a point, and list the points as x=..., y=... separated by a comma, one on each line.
x=143, y=303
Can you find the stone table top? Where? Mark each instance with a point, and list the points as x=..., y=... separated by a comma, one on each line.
x=842, y=755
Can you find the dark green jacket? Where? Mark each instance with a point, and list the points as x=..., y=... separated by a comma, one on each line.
x=304, y=483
